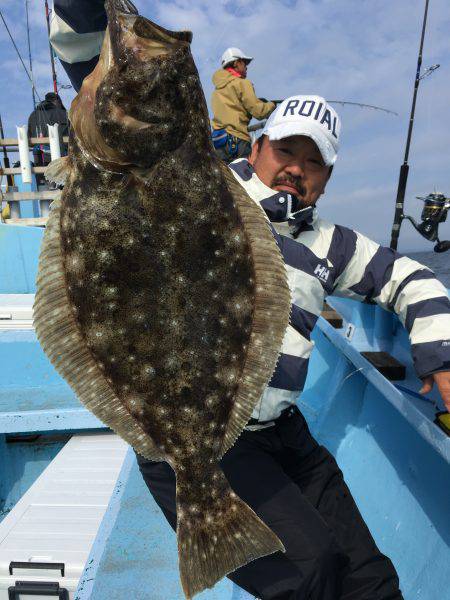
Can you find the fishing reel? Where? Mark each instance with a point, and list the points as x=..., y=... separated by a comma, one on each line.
x=434, y=212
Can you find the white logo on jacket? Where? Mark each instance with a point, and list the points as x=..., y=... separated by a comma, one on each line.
x=322, y=273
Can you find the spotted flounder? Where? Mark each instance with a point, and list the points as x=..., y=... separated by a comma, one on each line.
x=162, y=297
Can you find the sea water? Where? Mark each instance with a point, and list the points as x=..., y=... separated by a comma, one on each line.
x=439, y=263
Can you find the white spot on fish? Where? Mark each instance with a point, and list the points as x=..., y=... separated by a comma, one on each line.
x=111, y=290
x=104, y=255
x=148, y=370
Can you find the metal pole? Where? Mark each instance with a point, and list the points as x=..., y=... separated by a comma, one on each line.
x=53, y=134
x=9, y=178
x=29, y=56
x=55, y=153
x=24, y=154
x=404, y=169
x=52, y=58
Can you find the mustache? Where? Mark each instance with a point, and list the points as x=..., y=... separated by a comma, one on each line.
x=295, y=182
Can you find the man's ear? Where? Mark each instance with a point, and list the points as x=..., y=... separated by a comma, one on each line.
x=255, y=151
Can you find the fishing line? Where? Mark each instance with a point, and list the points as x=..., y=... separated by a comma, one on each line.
x=236, y=15
x=29, y=53
x=18, y=54
x=338, y=389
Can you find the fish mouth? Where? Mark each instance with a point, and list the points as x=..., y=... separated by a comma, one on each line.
x=108, y=114
x=152, y=39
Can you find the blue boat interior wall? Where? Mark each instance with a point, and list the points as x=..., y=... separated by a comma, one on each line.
x=19, y=251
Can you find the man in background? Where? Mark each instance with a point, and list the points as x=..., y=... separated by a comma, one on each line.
x=234, y=103
x=48, y=112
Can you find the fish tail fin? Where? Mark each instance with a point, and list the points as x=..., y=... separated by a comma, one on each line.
x=218, y=535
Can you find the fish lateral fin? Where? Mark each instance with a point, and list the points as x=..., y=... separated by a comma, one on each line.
x=271, y=312
x=58, y=171
x=228, y=536
x=62, y=341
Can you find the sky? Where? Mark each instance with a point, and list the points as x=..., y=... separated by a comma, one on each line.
x=353, y=50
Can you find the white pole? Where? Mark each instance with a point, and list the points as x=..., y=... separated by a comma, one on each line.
x=53, y=134
x=24, y=154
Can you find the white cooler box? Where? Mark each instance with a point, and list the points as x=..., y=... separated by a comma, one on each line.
x=16, y=311
x=47, y=537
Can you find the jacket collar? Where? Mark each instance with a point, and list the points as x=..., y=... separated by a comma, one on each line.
x=233, y=72
x=280, y=207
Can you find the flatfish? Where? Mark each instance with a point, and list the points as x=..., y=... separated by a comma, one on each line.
x=162, y=297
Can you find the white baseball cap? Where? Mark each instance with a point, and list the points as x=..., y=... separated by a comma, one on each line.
x=311, y=116
x=232, y=54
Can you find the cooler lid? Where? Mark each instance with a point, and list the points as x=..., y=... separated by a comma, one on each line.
x=56, y=521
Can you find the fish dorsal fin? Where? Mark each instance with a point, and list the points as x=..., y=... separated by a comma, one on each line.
x=271, y=312
x=62, y=341
x=57, y=171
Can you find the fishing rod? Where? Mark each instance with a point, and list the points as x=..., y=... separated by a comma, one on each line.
x=52, y=57
x=29, y=54
x=360, y=104
x=9, y=178
x=436, y=205
x=18, y=54
x=258, y=126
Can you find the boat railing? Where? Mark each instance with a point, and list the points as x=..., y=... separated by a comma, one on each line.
x=26, y=198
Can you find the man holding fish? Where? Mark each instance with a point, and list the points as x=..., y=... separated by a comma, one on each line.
x=275, y=466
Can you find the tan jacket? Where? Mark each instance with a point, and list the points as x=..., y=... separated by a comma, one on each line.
x=234, y=103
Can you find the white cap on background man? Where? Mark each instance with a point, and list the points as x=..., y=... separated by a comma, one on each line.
x=232, y=54
x=311, y=116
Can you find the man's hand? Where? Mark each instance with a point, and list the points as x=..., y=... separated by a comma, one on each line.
x=442, y=380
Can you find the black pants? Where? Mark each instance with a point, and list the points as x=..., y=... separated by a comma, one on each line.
x=297, y=489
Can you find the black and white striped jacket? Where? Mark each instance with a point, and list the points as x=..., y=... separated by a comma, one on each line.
x=77, y=29
x=324, y=259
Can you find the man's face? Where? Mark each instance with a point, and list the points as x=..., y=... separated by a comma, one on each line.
x=241, y=67
x=292, y=165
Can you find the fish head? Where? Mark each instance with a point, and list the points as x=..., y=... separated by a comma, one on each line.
x=133, y=109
